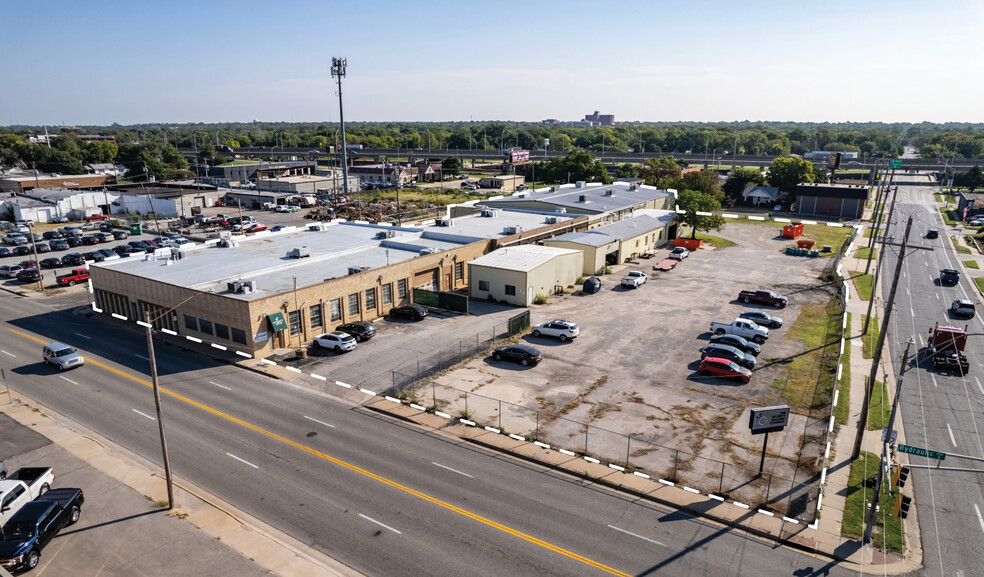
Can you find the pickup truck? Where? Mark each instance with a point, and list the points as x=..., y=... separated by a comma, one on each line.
x=36, y=524
x=76, y=276
x=764, y=297
x=21, y=486
x=743, y=328
x=634, y=279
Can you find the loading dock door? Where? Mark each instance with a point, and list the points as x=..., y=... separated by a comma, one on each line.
x=427, y=279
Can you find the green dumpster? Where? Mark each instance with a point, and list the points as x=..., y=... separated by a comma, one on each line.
x=136, y=228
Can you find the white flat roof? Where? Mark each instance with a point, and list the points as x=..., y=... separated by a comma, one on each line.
x=522, y=258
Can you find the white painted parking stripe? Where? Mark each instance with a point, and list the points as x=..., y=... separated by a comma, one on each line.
x=370, y=519
x=341, y=384
x=242, y=354
x=8, y=354
x=193, y=339
x=636, y=536
x=242, y=460
x=143, y=324
x=169, y=332
x=220, y=386
x=319, y=377
x=319, y=422
x=67, y=379
x=949, y=430
x=979, y=518
x=83, y=336
x=217, y=346
x=144, y=415
x=979, y=385
x=121, y=317
x=142, y=357
x=292, y=369
x=452, y=470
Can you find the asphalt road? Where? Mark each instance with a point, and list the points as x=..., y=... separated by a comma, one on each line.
x=940, y=412
x=381, y=496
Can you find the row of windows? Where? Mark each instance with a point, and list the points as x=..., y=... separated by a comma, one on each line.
x=219, y=330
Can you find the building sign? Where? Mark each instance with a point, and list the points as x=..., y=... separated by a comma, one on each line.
x=768, y=419
x=260, y=337
x=277, y=322
x=519, y=156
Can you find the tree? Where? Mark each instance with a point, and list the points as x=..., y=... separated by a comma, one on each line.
x=738, y=179
x=628, y=170
x=451, y=165
x=578, y=165
x=705, y=181
x=786, y=173
x=659, y=172
x=971, y=179
x=692, y=202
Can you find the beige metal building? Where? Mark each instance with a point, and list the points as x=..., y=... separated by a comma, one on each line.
x=518, y=274
x=609, y=202
x=620, y=241
x=505, y=183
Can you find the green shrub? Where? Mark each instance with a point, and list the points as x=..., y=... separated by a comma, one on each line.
x=580, y=280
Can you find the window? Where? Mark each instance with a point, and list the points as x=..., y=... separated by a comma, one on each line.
x=221, y=331
x=315, y=316
x=459, y=271
x=483, y=285
x=191, y=322
x=510, y=290
x=294, y=320
x=637, y=242
x=239, y=336
x=353, y=304
x=370, y=299
x=205, y=326
x=401, y=289
x=387, y=291
x=335, y=308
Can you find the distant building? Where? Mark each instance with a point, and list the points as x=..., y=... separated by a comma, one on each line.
x=761, y=195
x=600, y=119
x=550, y=121
x=505, y=183
x=235, y=174
x=20, y=184
x=384, y=175
x=106, y=168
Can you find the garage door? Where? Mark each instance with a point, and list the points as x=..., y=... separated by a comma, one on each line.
x=426, y=279
x=828, y=206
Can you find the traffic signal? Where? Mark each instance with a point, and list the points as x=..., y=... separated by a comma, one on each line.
x=899, y=475
x=904, y=503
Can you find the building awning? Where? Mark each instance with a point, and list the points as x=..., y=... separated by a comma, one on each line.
x=277, y=322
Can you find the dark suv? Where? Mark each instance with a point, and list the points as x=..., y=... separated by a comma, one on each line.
x=362, y=331
x=730, y=353
x=932, y=233
x=949, y=276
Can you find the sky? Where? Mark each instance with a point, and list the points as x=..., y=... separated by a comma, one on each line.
x=104, y=61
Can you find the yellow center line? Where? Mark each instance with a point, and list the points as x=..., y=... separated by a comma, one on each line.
x=359, y=470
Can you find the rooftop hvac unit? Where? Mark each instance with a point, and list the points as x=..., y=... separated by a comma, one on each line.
x=583, y=198
x=551, y=220
x=445, y=222
x=488, y=213
x=249, y=286
x=512, y=230
x=299, y=252
x=610, y=192
x=560, y=210
x=228, y=243
x=429, y=250
x=579, y=184
x=235, y=286
x=386, y=234
x=357, y=269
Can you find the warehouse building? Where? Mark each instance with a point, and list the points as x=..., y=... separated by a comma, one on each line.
x=517, y=275
x=620, y=241
x=280, y=289
x=831, y=200
x=20, y=184
x=609, y=202
x=505, y=182
x=51, y=204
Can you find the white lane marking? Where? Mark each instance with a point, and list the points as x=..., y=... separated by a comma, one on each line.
x=937, y=296
x=932, y=376
x=142, y=357
x=636, y=536
x=6, y=353
x=370, y=519
x=949, y=430
x=979, y=518
x=144, y=415
x=83, y=336
x=220, y=386
x=242, y=460
x=452, y=470
x=319, y=422
x=907, y=294
x=979, y=385
x=74, y=383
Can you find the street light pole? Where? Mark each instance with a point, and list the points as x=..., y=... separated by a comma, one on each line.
x=160, y=417
x=338, y=71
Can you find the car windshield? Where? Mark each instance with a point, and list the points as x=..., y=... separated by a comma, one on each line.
x=64, y=352
x=18, y=531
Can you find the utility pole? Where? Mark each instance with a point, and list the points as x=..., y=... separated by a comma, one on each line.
x=160, y=417
x=338, y=66
x=37, y=262
x=889, y=440
x=869, y=386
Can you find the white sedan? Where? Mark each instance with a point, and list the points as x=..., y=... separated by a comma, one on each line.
x=563, y=330
x=679, y=253
x=336, y=341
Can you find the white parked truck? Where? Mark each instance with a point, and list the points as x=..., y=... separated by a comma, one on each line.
x=744, y=328
x=634, y=279
x=23, y=486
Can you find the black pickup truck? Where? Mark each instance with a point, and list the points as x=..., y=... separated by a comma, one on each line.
x=35, y=525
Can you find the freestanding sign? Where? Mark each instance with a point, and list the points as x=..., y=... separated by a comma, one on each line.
x=893, y=164
x=767, y=420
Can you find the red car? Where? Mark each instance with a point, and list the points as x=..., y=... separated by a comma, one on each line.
x=717, y=367
x=257, y=227
x=96, y=217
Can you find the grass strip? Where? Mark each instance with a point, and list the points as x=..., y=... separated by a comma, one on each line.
x=810, y=375
x=843, y=407
x=971, y=264
x=862, y=284
x=887, y=532
x=862, y=253
x=879, y=408
x=870, y=339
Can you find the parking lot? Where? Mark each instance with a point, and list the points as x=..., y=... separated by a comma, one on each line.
x=633, y=369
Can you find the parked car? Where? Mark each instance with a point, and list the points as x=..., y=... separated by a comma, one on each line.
x=256, y=227
x=94, y=256
x=743, y=328
x=61, y=355
x=4, y=252
x=22, y=250
x=361, y=330
x=737, y=342
x=717, y=367
x=120, y=234
x=763, y=296
x=52, y=262
x=36, y=524
x=76, y=276
x=412, y=312
x=31, y=263
x=963, y=307
x=72, y=241
x=278, y=228
x=125, y=250
x=949, y=276
x=91, y=239
x=29, y=275
x=3, y=470
x=21, y=487
x=336, y=341
x=108, y=253
x=92, y=217
x=932, y=233
x=51, y=235
x=14, y=238
x=730, y=353
x=976, y=222
x=679, y=253
x=59, y=244
x=41, y=247
x=10, y=270
x=634, y=279
x=522, y=354
x=762, y=318
x=563, y=330
x=73, y=259
x=105, y=227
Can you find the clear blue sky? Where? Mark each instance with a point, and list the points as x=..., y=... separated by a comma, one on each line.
x=104, y=61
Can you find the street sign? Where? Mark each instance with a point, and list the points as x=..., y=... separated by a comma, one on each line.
x=895, y=164
x=768, y=419
x=921, y=452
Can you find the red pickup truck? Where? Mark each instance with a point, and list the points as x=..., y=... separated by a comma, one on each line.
x=76, y=276
x=764, y=297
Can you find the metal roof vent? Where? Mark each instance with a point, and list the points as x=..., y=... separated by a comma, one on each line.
x=583, y=198
x=299, y=252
